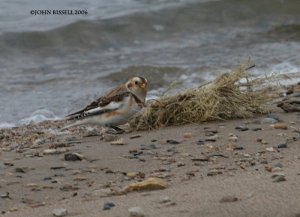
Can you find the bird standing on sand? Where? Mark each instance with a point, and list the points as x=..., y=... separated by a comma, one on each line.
x=114, y=108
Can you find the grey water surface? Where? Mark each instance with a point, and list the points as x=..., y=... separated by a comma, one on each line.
x=54, y=64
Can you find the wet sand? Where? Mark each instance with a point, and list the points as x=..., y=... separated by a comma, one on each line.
x=214, y=170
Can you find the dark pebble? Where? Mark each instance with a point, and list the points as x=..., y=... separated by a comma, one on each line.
x=173, y=142
x=238, y=148
x=208, y=129
x=20, y=170
x=109, y=172
x=47, y=178
x=257, y=129
x=108, y=206
x=279, y=179
x=57, y=168
x=74, y=194
x=214, y=172
x=71, y=157
x=242, y=128
x=200, y=142
x=135, y=137
x=284, y=145
x=136, y=153
x=148, y=147
x=228, y=199
x=142, y=159
x=154, y=140
x=8, y=164
x=210, y=140
x=201, y=159
x=209, y=134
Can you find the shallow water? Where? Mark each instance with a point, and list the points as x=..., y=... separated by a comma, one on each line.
x=53, y=65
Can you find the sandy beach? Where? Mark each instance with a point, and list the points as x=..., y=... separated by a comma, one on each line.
x=246, y=167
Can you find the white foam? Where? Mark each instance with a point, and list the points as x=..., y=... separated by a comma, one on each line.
x=39, y=116
x=6, y=125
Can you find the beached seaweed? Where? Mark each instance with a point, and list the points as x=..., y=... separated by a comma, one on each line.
x=224, y=98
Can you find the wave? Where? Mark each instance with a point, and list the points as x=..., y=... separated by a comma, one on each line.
x=151, y=25
x=36, y=117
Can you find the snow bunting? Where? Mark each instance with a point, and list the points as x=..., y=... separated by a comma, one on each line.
x=114, y=108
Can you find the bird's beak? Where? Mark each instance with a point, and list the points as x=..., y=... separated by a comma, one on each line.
x=143, y=85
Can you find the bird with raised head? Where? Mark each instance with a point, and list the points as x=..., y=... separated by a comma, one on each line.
x=115, y=107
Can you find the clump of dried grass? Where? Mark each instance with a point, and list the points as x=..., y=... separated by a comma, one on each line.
x=224, y=98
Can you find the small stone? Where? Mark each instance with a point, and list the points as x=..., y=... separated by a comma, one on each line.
x=232, y=138
x=238, y=147
x=228, y=199
x=209, y=131
x=200, y=142
x=278, y=165
x=73, y=157
x=276, y=170
x=242, y=128
x=109, y=137
x=283, y=145
x=187, y=135
x=21, y=170
x=173, y=142
x=13, y=209
x=6, y=195
x=102, y=192
x=214, y=172
x=279, y=179
x=269, y=121
x=262, y=141
x=212, y=138
x=135, y=136
x=256, y=129
x=148, y=184
x=60, y=212
x=136, y=212
x=202, y=158
x=281, y=126
x=165, y=199
x=8, y=164
x=55, y=151
x=80, y=178
x=68, y=187
x=108, y=206
x=31, y=185
x=131, y=175
x=270, y=149
x=180, y=164
x=118, y=142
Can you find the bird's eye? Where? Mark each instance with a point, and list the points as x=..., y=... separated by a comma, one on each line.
x=136, y=83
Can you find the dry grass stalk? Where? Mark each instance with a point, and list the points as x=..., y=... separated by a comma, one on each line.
x=223, y=98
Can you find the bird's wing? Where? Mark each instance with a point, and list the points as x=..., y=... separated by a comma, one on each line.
x=100, y=106
x=119, y=89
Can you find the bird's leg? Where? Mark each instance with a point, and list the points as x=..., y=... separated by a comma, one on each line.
x=114, y=130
